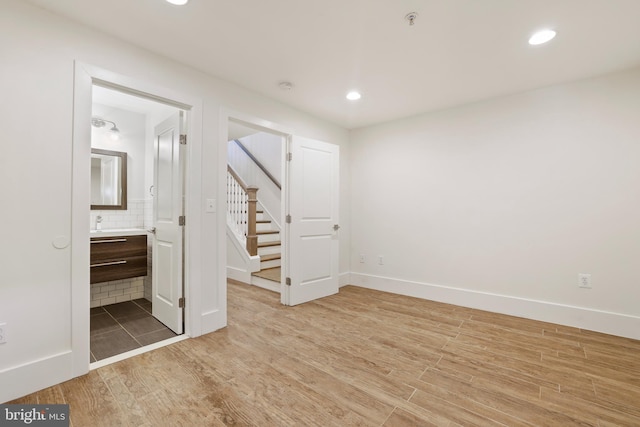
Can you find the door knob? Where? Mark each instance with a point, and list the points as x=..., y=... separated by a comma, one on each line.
x=336, y=227
x=152, y=230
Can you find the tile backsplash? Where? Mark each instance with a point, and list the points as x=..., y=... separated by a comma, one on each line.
x=133, y=217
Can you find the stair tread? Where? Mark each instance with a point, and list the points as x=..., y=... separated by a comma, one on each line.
x=270, y=257
x=265, y=244
x=272, y=274
x=263, y=221
x=268, y=232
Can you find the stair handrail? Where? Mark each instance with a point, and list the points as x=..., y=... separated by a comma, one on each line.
x=258, y=163
x=241, y=208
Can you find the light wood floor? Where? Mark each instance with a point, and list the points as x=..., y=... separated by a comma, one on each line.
x=365, y=358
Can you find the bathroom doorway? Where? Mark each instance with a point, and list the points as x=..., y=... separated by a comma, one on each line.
x=137, y=287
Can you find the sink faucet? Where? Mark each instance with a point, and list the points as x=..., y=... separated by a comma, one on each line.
x=99, y=222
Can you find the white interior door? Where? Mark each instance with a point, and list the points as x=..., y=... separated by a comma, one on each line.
x=313, y=244
x=167, y=208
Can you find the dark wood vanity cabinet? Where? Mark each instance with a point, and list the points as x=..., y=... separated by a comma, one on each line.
x=119, y=257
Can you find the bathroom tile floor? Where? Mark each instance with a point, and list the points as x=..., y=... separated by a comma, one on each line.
x=124, y=326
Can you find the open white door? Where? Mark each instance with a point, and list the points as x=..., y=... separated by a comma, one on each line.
x=167, y=210
x=313, y=199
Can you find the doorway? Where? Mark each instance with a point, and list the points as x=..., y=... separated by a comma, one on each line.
x=309, y=215
x=255, y=204
x=134, y=307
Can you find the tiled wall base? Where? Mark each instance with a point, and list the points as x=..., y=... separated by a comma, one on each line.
x=106, y=293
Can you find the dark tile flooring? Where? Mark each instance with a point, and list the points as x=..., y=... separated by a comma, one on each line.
x=125, y=326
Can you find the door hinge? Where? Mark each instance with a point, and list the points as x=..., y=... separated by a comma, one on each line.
x=181, y=302
x=183, y=139
x=288, y=219
x=287, y=281
x=182, y=220
x=289, y=156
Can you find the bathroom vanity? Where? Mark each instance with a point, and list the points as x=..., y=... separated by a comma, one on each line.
x=118, y=254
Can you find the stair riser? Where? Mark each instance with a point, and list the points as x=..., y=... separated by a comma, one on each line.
x=269, y=250
x=269, y=264
x=263, y=238
x=266, y=284
x=264, y=227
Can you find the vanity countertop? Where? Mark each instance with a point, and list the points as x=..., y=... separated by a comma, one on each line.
x=111, y=232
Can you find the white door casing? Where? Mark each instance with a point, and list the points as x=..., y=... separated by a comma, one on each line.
x=167, y=247
x=313, y=234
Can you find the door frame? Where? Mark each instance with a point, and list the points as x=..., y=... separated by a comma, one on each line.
x=286, y=134
x=85, y=76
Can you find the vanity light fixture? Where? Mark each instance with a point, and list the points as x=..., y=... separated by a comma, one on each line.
x=100, y=123
x=542, y=37
x=178, y=2
x=353, y=95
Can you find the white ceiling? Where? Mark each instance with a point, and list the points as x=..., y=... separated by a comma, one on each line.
x=458, y=51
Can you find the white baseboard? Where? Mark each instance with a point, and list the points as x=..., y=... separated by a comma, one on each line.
x=265, y=284
x=213, y=320
x=344, y=279
x=25, y=379
x=238, y=274
x=579, y=317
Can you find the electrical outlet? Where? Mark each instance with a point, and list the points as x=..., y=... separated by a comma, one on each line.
x=3, y=333
x=380, y=260
x=584, y=280
x=362, y=258
x=211, y=205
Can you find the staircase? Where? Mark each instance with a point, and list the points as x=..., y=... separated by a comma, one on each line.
x=269, y=250
x=252, y=223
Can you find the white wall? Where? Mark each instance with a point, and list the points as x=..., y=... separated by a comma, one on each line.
x=267, y=148
x=37, y=53
x=501, y=204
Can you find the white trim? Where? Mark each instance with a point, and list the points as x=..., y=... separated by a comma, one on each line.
x=36, y=375
x=267, y=284
x=238, y=274
x=80, y=223
x=344, y=279
x=580, y=317
x=137, y=351
x=251, y=263
x=85, y=76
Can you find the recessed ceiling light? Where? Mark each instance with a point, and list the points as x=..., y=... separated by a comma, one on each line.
x=353, y=95
x=542, y=37
x=178, y=2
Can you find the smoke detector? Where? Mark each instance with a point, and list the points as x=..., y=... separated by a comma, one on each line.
x=285, y=86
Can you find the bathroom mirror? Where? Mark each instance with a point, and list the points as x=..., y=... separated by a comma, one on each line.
x=108, y=180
